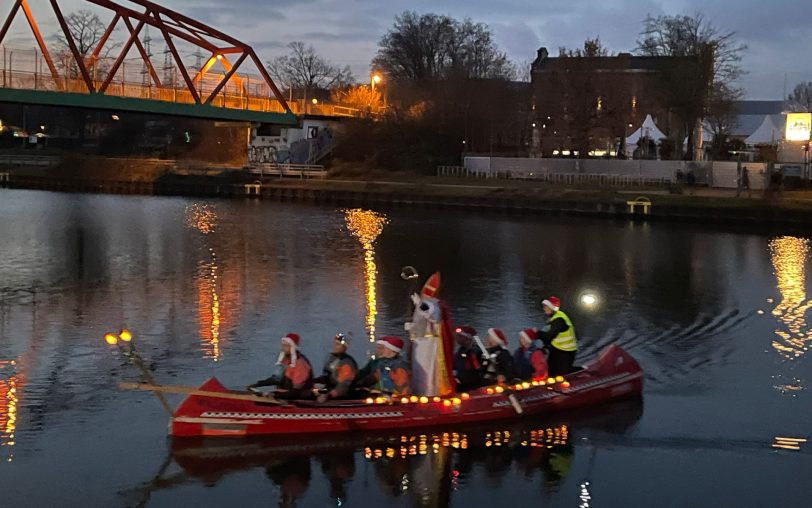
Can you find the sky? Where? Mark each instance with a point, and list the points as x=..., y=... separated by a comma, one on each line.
x=778, y=33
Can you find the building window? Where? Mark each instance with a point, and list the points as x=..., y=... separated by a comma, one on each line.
x=599, y=106
x=634, y=103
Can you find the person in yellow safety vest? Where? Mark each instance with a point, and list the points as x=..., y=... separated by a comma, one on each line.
x=560, y=337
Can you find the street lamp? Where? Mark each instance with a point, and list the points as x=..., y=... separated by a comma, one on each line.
x=375, y=79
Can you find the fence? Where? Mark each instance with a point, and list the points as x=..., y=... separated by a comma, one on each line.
x=26, y=69
x=283, y=170
x=720, y=174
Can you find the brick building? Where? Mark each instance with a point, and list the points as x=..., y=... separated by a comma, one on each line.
x=588, y=104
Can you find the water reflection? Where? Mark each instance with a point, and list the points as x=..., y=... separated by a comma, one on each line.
x=9, y=398
x=366, y=226
x=789, y=255
x=203, y=218
x=423, y=467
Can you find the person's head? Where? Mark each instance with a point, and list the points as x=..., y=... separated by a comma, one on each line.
x=388, y=346
x=340, y=344
x=527, y=337
x=495, y=337
x=288, y=348
x=551, y=305
x=464, y=335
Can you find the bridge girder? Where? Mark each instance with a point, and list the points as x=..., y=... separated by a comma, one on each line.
x=135, y=15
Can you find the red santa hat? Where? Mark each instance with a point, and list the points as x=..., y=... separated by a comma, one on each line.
x=528, y=336
x=291, y=339
x=498, y=336
x=466, y=331
x=391, y=342
x=552, y=302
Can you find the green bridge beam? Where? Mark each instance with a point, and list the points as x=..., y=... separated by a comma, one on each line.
x=113, y=103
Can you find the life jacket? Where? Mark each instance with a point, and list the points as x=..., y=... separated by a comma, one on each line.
x=393, y=376
x=299, y=376
x=522, y=362
x=340, y=369
x=564, y=341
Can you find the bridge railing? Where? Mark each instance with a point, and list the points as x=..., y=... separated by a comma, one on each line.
x=26, y=70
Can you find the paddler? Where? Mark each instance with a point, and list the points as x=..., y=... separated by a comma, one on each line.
x=560, y=337
x=528, y=358
x=294, y=379
x=497, y=363
x=387, y=371
x=467, y=362
x=340, y=371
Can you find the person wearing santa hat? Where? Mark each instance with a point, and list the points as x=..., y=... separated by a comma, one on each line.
x=467, y=363
x=295, y=377
x=387, y=371
x=497, y=362
x=528, y=358
x=560, y=338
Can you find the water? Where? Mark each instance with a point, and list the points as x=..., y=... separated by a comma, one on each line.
x=716, y=318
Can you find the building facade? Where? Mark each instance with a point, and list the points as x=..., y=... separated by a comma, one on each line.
x=586, y=106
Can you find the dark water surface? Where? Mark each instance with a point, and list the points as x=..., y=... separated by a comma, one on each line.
x=717, y=319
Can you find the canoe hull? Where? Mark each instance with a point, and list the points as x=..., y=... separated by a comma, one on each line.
x=611, y=376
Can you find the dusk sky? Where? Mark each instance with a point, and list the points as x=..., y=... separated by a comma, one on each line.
x=778, y=33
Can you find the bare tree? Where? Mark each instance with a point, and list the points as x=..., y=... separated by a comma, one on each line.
x=800, y=100
x=87, y=30
x=304, y=68
x=431, y=47
x=706, y=63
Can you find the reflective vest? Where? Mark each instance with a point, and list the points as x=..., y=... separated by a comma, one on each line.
x=565, y=341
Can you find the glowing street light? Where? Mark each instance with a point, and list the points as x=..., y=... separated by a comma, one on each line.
x=375, y=79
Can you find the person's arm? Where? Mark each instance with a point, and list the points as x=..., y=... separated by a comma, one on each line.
x=557, y=326
x=270, y=381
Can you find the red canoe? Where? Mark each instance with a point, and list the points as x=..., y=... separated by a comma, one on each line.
x=614, y=374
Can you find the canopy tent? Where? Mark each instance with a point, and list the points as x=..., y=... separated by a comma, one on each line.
x=649, y=129
x=766, y=134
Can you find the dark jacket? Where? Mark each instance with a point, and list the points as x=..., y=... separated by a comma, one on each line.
x=499, y=362
x=339, y=375
x=530, y=363
x=467, y=368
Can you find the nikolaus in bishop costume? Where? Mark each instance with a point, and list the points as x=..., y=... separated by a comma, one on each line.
x=432, y=342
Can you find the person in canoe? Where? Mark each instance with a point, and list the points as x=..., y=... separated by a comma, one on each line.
x=340, y=372
x=294, y=379
x=560, y=338
x=467, y=362
x=387, y=372
x=497, y=366
x=529, y=359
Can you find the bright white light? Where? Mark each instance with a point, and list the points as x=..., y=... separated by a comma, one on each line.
x=589, y=299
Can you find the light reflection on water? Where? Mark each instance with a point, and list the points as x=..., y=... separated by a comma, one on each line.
x=789, y=258
x=366, y=226
x=203, y=218
x=9, y=396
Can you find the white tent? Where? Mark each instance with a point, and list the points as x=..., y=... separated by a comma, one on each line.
x=766, y=134
x=649, y=129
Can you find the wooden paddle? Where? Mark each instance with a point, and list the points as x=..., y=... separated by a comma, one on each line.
x=190, y=390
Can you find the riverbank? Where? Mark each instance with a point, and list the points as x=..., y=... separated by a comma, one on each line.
x=408, y=190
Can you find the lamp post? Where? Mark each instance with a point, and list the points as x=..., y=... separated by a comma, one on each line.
x=375, y=79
